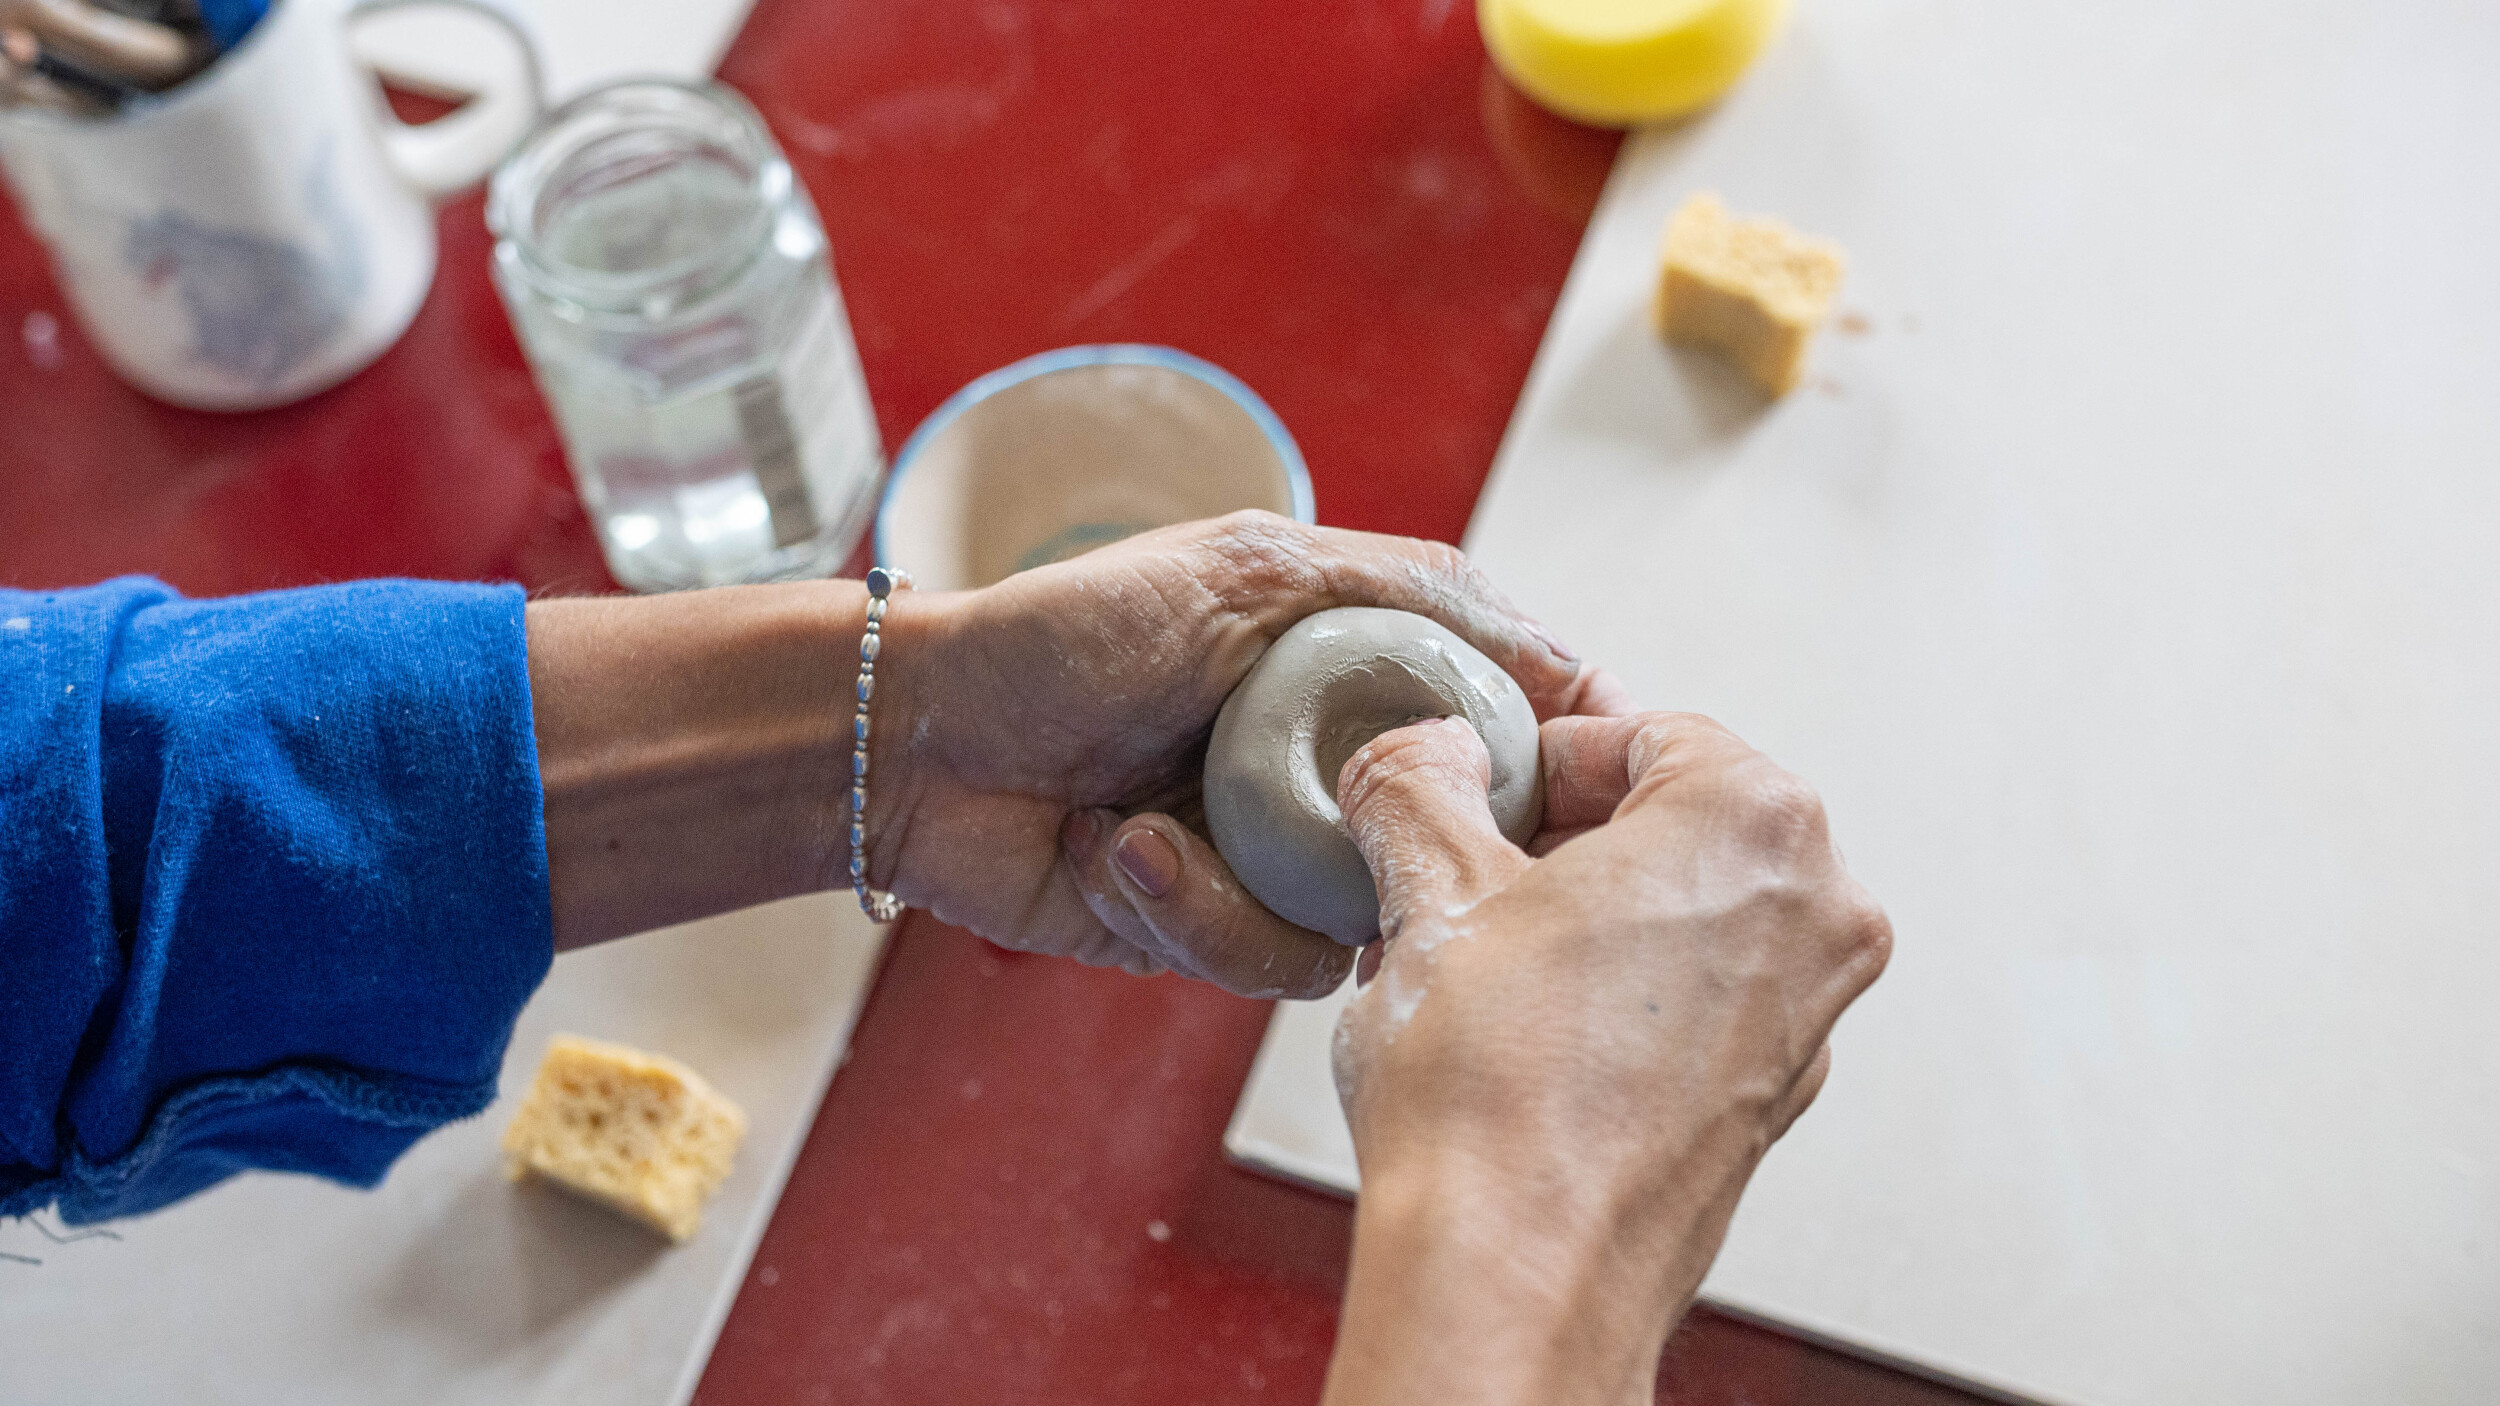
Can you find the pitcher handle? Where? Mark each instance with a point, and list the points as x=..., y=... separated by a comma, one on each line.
x=452, y=153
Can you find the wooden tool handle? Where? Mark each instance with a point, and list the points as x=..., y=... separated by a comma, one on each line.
x=137, y=51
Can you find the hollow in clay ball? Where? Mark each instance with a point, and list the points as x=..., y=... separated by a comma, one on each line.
x=1327, y=686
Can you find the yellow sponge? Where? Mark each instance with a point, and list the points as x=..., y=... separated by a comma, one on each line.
x=637, y=1131
x=1619, y=62
x=1753, y=291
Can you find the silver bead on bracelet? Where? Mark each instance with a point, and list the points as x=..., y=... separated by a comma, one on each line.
x=883, y=907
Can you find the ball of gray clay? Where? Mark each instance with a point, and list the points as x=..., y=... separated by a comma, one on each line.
x=1327, y=686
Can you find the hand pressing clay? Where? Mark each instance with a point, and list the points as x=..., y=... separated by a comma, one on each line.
x=1327, y=686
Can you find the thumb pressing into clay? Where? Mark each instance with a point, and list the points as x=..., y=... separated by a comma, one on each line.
x=1163, y=890
x=1417, y=804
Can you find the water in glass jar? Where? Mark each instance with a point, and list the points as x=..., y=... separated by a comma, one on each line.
x=680, y=313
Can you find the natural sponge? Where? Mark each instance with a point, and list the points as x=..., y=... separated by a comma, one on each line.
x=637, y=1131
x=1752, y=290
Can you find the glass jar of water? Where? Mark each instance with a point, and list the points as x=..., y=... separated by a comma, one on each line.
x=671, y=285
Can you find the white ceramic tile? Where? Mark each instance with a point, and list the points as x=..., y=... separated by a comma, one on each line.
x=2131, y=587
x=448, y=1286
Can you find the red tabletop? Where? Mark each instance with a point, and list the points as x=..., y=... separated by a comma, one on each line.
x=1014, y=1189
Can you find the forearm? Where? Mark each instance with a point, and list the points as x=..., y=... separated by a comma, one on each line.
x=695, y=749
x=1465, y=1291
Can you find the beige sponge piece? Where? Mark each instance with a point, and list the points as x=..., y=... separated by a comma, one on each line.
x=1750, y=290
x=638, y=1131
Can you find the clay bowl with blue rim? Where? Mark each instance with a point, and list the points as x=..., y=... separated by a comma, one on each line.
x=1070, y=450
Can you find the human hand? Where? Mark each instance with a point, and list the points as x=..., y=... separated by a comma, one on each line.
x=1056, y=725
x=1571, y=1058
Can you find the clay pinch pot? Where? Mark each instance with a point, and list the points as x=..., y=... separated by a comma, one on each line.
x=1064, y=452
x=1331, y=683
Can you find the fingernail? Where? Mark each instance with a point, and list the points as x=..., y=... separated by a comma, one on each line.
x=1426, y=720
x=1149, y=861
x=1079, y=833
x=1561, y=651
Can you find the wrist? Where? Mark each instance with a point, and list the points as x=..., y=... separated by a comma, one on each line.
x=1473, y=1284
x=902, y=746
x=691, y=756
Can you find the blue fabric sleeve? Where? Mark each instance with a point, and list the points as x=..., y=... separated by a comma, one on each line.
x=273, y=886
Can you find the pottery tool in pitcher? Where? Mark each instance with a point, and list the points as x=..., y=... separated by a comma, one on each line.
x=72, y=57
x=136, y=53
x=262, y=229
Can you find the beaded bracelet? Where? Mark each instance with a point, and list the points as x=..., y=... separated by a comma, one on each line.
x=882, y=907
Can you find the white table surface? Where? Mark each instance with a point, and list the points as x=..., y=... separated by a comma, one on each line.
x=449, y=1286
x=2131, y=587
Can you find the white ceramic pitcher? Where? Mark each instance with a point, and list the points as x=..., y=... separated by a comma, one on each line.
x=264, y=230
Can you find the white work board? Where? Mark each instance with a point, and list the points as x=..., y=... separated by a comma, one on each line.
x=447, y=1285
x=2127, y=575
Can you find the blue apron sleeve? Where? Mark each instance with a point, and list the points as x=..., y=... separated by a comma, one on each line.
x=273, y=883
